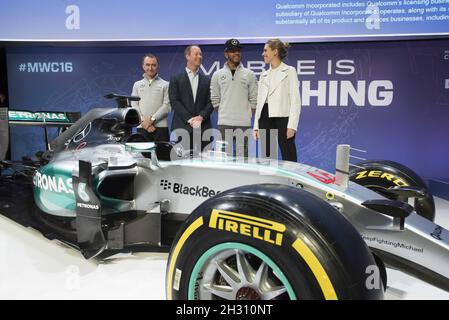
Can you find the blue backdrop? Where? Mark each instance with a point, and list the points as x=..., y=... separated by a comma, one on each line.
x=389, y=98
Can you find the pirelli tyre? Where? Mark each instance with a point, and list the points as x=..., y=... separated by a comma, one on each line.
x=265, y=242
x=379, y=175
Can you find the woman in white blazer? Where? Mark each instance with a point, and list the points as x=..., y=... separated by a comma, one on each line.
x=278, y=103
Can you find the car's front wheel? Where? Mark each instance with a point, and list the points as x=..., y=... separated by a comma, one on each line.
x=267, y=242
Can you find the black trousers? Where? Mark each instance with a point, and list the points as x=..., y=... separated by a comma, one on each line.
x=161, y=134
x=287, y=146
x=236, y=147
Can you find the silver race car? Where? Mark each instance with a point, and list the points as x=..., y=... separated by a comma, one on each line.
x=255, y=229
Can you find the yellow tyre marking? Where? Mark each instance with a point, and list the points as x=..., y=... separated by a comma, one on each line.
x=187, y=233
x=330, y=196
x=314, y=264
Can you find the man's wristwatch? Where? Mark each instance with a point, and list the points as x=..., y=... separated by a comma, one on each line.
x=153, y=118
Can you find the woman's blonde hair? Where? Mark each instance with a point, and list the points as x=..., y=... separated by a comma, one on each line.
x=282, y=47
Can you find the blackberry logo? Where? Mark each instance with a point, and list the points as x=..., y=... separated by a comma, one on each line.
x=165, y=184
x=196, y=191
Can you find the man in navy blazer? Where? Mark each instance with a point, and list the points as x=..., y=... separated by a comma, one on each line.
x=189, y=93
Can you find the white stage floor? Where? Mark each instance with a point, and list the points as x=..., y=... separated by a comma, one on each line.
x=32, y=267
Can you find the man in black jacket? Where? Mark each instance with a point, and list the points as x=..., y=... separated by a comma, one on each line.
x=189, y=94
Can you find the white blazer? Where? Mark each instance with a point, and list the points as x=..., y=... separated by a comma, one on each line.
x=283, y=98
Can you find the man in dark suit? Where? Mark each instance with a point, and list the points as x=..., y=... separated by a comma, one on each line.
x=189, y=94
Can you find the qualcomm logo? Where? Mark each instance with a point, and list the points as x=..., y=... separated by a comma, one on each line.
x=46, y=67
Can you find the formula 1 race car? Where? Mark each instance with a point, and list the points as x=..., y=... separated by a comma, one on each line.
x=235, y=228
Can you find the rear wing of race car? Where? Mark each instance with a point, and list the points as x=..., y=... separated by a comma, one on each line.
x=61, y=120
x=44, y=119
x=41, y=118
